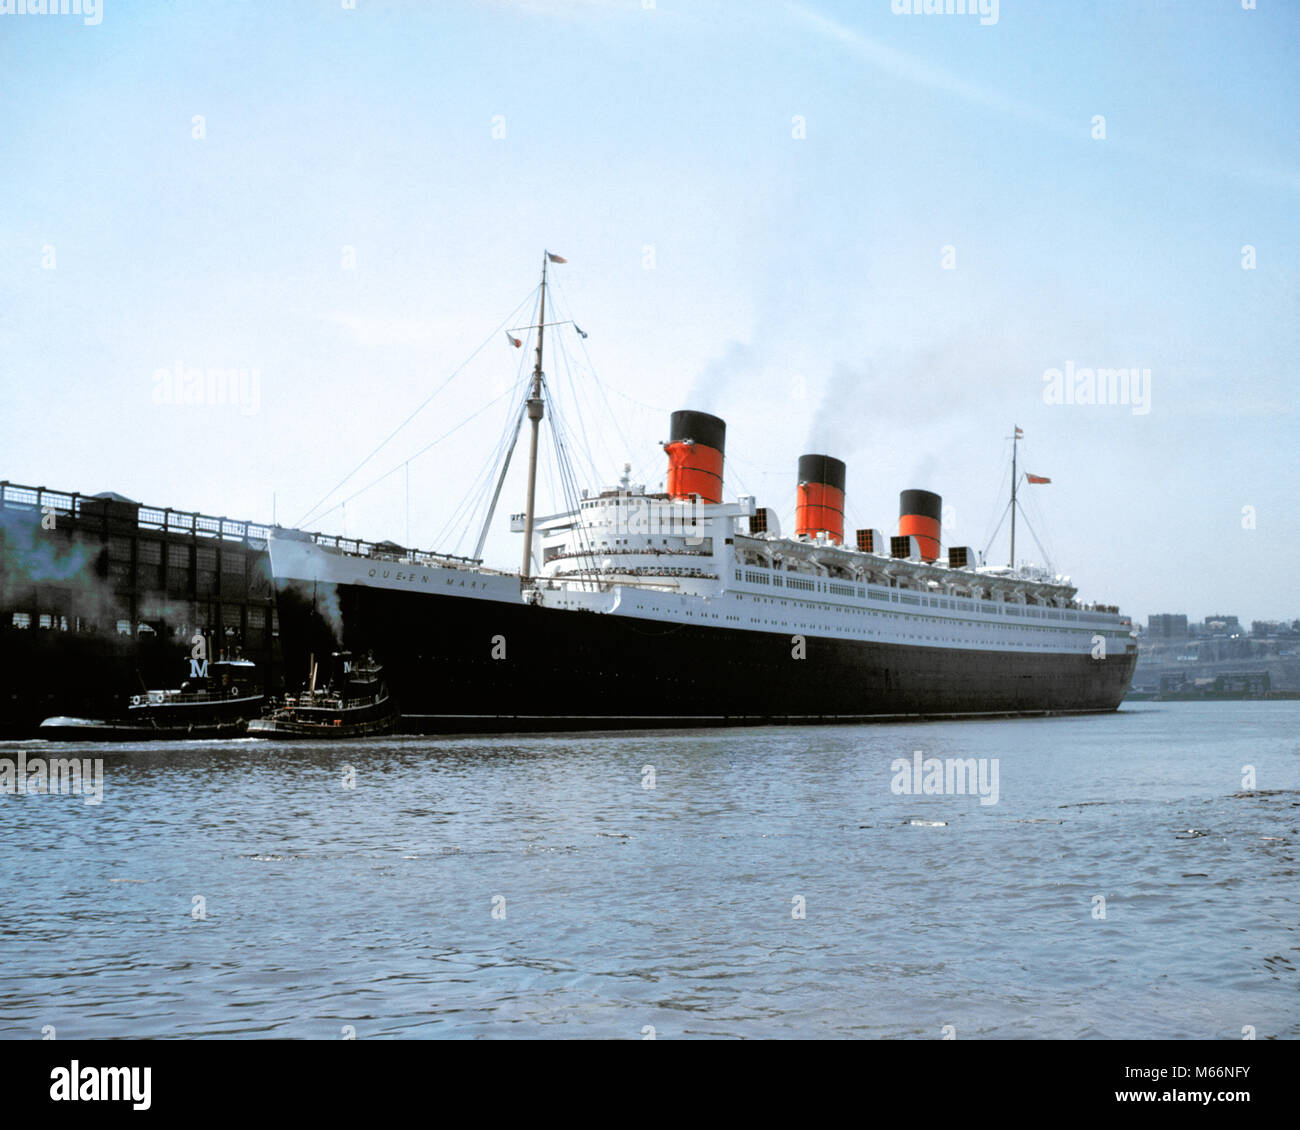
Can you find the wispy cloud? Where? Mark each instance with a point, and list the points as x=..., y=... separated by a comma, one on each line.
x=372, y=330
x=564, y=7
x=912, y=69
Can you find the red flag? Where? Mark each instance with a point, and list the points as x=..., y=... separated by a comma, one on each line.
x=1036, y=478
x=1019, y=433
x=555, y=258
x=514, y=340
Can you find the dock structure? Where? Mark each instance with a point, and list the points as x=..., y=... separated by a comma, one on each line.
x=99, y=594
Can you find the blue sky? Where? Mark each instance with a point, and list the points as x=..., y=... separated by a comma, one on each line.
x=798, y=286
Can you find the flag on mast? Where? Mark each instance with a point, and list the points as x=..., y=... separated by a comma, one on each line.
x=1019, y=432
x=514, y=340
x=1036, y=478
x=555, y=258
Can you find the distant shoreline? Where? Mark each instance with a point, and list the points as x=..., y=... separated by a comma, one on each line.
x=1209, y=696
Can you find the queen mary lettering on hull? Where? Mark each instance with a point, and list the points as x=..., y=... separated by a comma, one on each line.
x=637, y=608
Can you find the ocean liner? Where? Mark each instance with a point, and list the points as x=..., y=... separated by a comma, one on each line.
x=637, y=608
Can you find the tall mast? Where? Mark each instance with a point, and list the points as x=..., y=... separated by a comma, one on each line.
x=534, y=406
x=1015, y=439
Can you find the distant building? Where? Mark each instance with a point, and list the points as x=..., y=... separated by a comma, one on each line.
x=1262, y=629
x=1222, y=625
x=1244, y=682
x=1167, y=626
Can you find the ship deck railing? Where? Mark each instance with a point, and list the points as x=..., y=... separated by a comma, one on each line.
x=307, y=702
x=397, y=555
x=188, y=698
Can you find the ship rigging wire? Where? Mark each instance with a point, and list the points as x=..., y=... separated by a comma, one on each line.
x=393, y=470
x=659, y=413
x=1023, y=510
x=566, y=442
x=575, y=399
x=505, y=452
x=1005, y=468
x=424, y=404
x=569, y=486
x=563, y=304
x=997, y=529
x=468, y=508
x=1047, y=558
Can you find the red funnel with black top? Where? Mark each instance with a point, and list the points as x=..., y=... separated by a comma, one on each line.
x=819, y=506
x=918, y=517
x=695, y=446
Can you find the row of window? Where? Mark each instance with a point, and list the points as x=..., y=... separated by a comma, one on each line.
x=204, y=558
x=903, y=597
x=911, y=619
x=938, y=622
x=248, y=625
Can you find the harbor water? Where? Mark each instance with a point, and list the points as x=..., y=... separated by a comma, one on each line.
x=1129, y=875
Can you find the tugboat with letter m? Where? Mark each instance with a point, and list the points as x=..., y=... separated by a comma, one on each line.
x=217, y=701
x=354, y=704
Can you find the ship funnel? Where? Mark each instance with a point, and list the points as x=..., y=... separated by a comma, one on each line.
x=695, y=445
x=918, y=517
x=819, y=506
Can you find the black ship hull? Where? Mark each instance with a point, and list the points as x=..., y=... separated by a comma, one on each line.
x=462, y=665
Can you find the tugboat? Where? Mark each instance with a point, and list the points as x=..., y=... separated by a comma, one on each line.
x=218, y=700
x=355, y=703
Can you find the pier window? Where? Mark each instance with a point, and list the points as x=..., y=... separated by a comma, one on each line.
x=148, y=564
x=233, y=577
x=259, y=575
x=232, y=625
x=182, y=623
x=22, y=620
x=179, y=569
x=119, y=561
x=205, y=568
x=255, y=637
